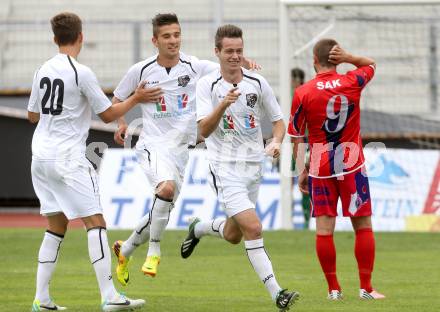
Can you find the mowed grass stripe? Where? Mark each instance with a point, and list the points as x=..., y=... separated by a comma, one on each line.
x=219, y=277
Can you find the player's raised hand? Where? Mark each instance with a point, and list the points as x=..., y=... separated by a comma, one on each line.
x=231, y=97
x=119, y=135
x=250, y=64
x=337, y=55
x=148, y=95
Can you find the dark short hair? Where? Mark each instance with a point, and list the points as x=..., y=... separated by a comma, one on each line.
x=297, y=73
x=66, y=28
x=227, y=31
x=163, y=19
x=322, y=49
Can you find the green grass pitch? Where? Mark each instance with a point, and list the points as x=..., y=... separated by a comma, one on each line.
x=219, y=277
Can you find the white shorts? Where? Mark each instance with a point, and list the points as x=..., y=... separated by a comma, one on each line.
x=161, y=165
x=236, y=185
x=69, y=186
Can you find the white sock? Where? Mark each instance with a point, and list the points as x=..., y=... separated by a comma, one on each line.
x=47, y=261
x=140, y=236
x=263, y=267
x=160, y=214
x=214, y=228
x=99, y=253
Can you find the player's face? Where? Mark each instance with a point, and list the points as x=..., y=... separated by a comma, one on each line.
x=168, y=40
x=231, y=54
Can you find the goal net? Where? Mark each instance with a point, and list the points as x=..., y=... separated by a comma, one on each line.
x=401, y=106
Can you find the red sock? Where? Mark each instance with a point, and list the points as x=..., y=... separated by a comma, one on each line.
x=364, y=252
x=326, y=251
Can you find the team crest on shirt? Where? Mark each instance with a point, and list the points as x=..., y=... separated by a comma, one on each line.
x=183, y=81
x=251, y=99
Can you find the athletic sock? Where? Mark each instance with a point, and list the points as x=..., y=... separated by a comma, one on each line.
x=326, y=251
x=47, y=261
x=214, y=228
x=99, y=253
x=160, y=214
x=138, y=237
x=262, y=265
x=364, y=251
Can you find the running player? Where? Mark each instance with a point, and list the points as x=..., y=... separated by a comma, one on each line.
x=230, y=103
x=63, y=94
x=169, y=129
x=328, y=106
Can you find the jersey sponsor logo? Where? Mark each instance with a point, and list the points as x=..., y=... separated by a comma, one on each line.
x=161, y=106
x=249, y=121
x=183, y=81
x=182, y=101
x=228, y=122
x=251, y=99
x=321, y=85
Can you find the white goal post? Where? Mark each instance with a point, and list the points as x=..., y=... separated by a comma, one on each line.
x=285, y=65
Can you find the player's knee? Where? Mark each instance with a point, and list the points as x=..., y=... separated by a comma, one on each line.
x=254, y=230
x=233, y=238
x=59, y=229
x=94, y=221
x=165, y=191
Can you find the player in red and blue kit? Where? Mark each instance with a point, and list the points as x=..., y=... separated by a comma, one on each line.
x=328, y=106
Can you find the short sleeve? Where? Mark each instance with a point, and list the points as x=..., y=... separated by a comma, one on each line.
x=128, y=84
x=362, y=75
x=270, y=103
x=34, y=98
x=296, y=127
x=203, y=99
x=89, y=86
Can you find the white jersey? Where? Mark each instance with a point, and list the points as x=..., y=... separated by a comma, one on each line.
x=238, y=136
x=172, y=120
x=63, y=92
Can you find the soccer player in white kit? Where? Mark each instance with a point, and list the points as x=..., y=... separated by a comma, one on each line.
x=230, y=104
x=169, y=127
x=64, y=92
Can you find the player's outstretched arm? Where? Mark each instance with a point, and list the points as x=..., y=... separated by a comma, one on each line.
x=338, y=55
x=208, y=124
x=141, y=94
x=33, y=117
